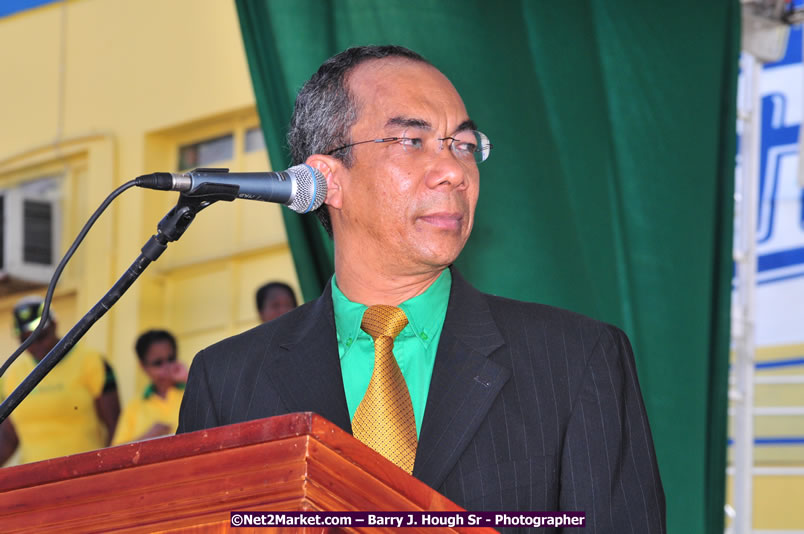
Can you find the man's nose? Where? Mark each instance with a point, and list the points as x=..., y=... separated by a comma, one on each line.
x=445, y=169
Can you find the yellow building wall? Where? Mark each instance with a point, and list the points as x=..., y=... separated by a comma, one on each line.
x=102, y=91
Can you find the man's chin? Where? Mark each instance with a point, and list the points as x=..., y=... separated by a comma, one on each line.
x=441, y=259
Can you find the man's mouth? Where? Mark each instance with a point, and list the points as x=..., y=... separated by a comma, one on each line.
x=445, y=220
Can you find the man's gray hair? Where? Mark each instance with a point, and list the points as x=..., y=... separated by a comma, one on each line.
x=325, y=110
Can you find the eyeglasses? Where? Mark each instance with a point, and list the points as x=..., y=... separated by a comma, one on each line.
x=468, y=145
x=162, y=361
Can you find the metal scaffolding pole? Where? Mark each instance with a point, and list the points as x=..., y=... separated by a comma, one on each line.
x=743, y=323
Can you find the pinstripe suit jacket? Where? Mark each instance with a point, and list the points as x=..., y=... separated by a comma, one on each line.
x=530, y=407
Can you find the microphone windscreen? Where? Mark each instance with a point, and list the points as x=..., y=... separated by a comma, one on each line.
x=310, y=189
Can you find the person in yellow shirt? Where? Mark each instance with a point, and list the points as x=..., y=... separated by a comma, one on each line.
x=73, y=409
x=156, y=412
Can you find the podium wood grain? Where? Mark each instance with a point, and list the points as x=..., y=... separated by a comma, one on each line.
x=191, y=482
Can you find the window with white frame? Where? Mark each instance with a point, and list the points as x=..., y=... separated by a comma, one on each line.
x=30, y=222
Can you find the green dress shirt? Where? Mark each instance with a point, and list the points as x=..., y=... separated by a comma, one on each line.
x=414, y=348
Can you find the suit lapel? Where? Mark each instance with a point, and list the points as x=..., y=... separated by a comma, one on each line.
x=307, y=370
x=464, y=383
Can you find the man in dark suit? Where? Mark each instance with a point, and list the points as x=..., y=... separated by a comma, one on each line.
x=504, y=405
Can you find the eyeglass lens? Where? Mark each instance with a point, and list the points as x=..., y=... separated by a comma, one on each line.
x=466, y=144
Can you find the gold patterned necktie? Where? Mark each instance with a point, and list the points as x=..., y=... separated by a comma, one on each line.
x=384, y=418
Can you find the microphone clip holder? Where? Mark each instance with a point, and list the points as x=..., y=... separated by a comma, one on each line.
x=175, y=222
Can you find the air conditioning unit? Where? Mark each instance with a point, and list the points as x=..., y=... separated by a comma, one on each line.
x=30, y=216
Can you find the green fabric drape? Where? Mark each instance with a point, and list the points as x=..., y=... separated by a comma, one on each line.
x=609, y=190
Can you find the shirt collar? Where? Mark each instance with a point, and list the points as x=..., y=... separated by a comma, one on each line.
x=151, y=389
x=425, y=313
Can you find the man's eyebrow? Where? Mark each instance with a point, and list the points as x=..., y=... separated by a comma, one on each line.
x=409, y=122
x=468, y=124
x=421, y=124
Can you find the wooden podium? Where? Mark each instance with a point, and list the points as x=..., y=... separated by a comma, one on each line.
x=192, y=482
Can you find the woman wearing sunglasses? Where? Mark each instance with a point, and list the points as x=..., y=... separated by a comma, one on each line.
x=155, y=412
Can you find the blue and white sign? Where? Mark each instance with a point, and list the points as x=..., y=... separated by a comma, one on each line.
x=780, y=222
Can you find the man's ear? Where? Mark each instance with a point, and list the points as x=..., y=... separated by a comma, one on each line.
x=332, y=169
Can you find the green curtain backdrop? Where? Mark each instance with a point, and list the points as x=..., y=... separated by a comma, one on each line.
x=609, y=190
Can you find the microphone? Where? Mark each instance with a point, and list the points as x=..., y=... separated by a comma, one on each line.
x=301, y=188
